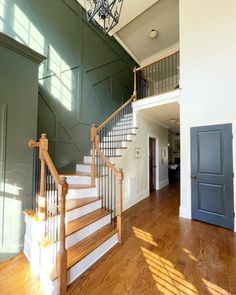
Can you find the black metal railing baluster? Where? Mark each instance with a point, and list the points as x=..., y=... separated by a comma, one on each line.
x=158, y=77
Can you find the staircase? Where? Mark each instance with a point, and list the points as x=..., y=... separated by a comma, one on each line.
x=78, y=216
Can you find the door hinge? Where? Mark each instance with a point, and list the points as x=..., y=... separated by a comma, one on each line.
x=233, y=174
x=234, y=214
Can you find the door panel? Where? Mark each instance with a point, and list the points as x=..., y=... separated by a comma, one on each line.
x=212, y=175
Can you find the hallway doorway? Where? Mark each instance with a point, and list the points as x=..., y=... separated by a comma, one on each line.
x=152, y=164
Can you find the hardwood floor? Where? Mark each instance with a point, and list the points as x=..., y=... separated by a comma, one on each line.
x=164, y=254
x=161, y=254
x=16, y=277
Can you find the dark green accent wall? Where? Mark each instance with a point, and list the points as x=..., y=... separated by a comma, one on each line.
x=86, y=77
x=18, y=124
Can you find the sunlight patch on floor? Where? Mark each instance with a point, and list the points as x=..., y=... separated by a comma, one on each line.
x=214, y=289
x=168, y=279
x=190, y=255
x=143, y=235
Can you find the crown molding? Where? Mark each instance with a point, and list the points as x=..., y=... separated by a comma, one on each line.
x=21, y=49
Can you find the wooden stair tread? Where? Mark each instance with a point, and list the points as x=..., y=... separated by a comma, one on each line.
x=77, y=203
x=80, y=186
x=113, y=148
x=81, y=222
x=80, y=250
x=126, y=128
x=83, y=248
x=129, y=140
x=124, y=134
x=30, y=213
x=78, y=173
x=89, y=164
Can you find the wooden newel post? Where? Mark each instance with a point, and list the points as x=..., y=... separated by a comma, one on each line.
x=135, y=84
x=62, y=254
x=93, y=168
x=42, y=206
x=119, y=215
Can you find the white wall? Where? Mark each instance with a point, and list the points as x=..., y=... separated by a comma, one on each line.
x=136, y=182
x=208, y=75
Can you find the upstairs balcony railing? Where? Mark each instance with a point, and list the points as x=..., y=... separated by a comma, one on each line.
x=158, y=77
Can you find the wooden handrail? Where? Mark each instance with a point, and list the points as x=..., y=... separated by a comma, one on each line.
x=96, y=151
x=115, y=113
x=51, y=167
x=46, y=161
x=120, y=176
x=153, y=62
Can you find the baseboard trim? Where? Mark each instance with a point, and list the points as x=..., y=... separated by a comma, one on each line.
x=163, y=183
x=184, y=213
x=138, y=198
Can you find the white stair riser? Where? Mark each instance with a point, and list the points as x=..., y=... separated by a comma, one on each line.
x=32, y=252
x=119, y=137
x=125, y=122
x=127, y=116
x=77, y=179
x=79, y=212
x=86, y=231
x=111, y=153
x=122, y=127
x=90, y=259
x=82, y=193
x=34, y=230
x=83, y=168
x=88, y=160
x=121, y=144
x=122, y=132
x=42, y=257
x=50, y=287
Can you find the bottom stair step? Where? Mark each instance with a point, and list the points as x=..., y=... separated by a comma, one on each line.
x=82, y=249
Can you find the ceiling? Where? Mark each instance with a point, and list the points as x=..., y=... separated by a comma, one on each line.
x=164, y=114
x=138, y=18
x=162, y=16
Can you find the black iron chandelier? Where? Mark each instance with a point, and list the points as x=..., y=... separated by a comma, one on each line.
x=104, y=13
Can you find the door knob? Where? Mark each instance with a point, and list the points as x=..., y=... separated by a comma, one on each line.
x=194, y=177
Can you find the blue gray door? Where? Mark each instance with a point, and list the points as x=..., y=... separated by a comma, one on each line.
x=212, y=175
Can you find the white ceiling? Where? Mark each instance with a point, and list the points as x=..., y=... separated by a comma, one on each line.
x=162, y=16
x=138, y=18
x=163, y=114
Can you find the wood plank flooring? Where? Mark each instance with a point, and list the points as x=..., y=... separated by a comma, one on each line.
x=162, y=254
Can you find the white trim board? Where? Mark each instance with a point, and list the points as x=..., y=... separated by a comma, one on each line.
x=163, y=183
x=134, y=201
x=157, y=100
x=21, y=49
